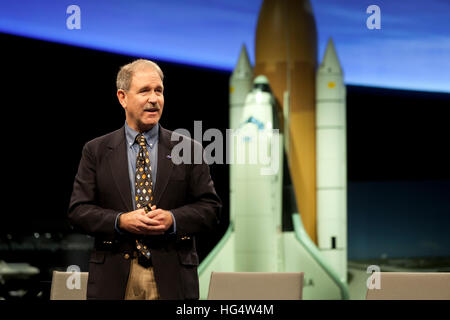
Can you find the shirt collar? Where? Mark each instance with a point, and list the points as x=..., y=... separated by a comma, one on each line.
x=151, y=135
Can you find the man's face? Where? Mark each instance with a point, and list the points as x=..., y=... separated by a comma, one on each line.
x=144, y=101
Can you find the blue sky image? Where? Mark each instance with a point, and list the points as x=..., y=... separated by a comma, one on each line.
x=410, y=51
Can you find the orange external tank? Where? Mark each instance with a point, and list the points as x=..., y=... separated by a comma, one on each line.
x=286, y=53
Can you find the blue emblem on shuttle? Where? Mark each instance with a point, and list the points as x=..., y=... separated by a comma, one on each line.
x=253, y=120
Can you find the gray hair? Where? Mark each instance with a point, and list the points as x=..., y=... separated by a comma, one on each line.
x=126, y=72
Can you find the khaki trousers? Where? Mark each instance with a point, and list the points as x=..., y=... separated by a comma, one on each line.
x=141, y=283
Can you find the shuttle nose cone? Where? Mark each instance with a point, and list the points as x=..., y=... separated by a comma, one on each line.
x=261, y=80
x=261, y=83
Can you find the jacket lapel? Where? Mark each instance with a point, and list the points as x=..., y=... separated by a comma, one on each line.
x=118, y=162
x=165, y=163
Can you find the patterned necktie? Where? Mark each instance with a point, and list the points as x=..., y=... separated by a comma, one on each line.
x=143, y=185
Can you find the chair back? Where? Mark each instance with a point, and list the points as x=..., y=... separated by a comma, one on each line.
x=256, y=286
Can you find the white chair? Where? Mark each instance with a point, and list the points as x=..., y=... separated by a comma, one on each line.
x=62, y=290
x=256, y=286
x=411, y=286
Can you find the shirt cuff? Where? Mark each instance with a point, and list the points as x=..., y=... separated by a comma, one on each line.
x=116, y=224
x=174, y=225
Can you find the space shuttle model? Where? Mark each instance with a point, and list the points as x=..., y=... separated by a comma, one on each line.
x=288, y=158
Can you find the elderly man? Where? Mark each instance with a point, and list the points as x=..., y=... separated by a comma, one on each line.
x=142, y=209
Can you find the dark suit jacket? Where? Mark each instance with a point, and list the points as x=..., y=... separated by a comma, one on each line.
x=102, y=190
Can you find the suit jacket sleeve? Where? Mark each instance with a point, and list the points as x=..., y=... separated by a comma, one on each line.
x=202, y=212
x=84, y=212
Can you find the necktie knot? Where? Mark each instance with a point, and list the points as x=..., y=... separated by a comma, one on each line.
x=140, y=139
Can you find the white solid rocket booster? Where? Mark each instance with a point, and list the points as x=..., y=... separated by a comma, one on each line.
x=331, y=161
x=241, y=83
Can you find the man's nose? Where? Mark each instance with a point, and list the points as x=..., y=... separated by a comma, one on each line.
x=152, y=98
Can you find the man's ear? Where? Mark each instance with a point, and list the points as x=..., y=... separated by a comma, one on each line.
x=122, y=96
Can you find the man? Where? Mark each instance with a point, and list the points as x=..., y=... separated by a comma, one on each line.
x=142, y=209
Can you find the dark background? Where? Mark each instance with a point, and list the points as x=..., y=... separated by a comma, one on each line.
x=56, y=97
